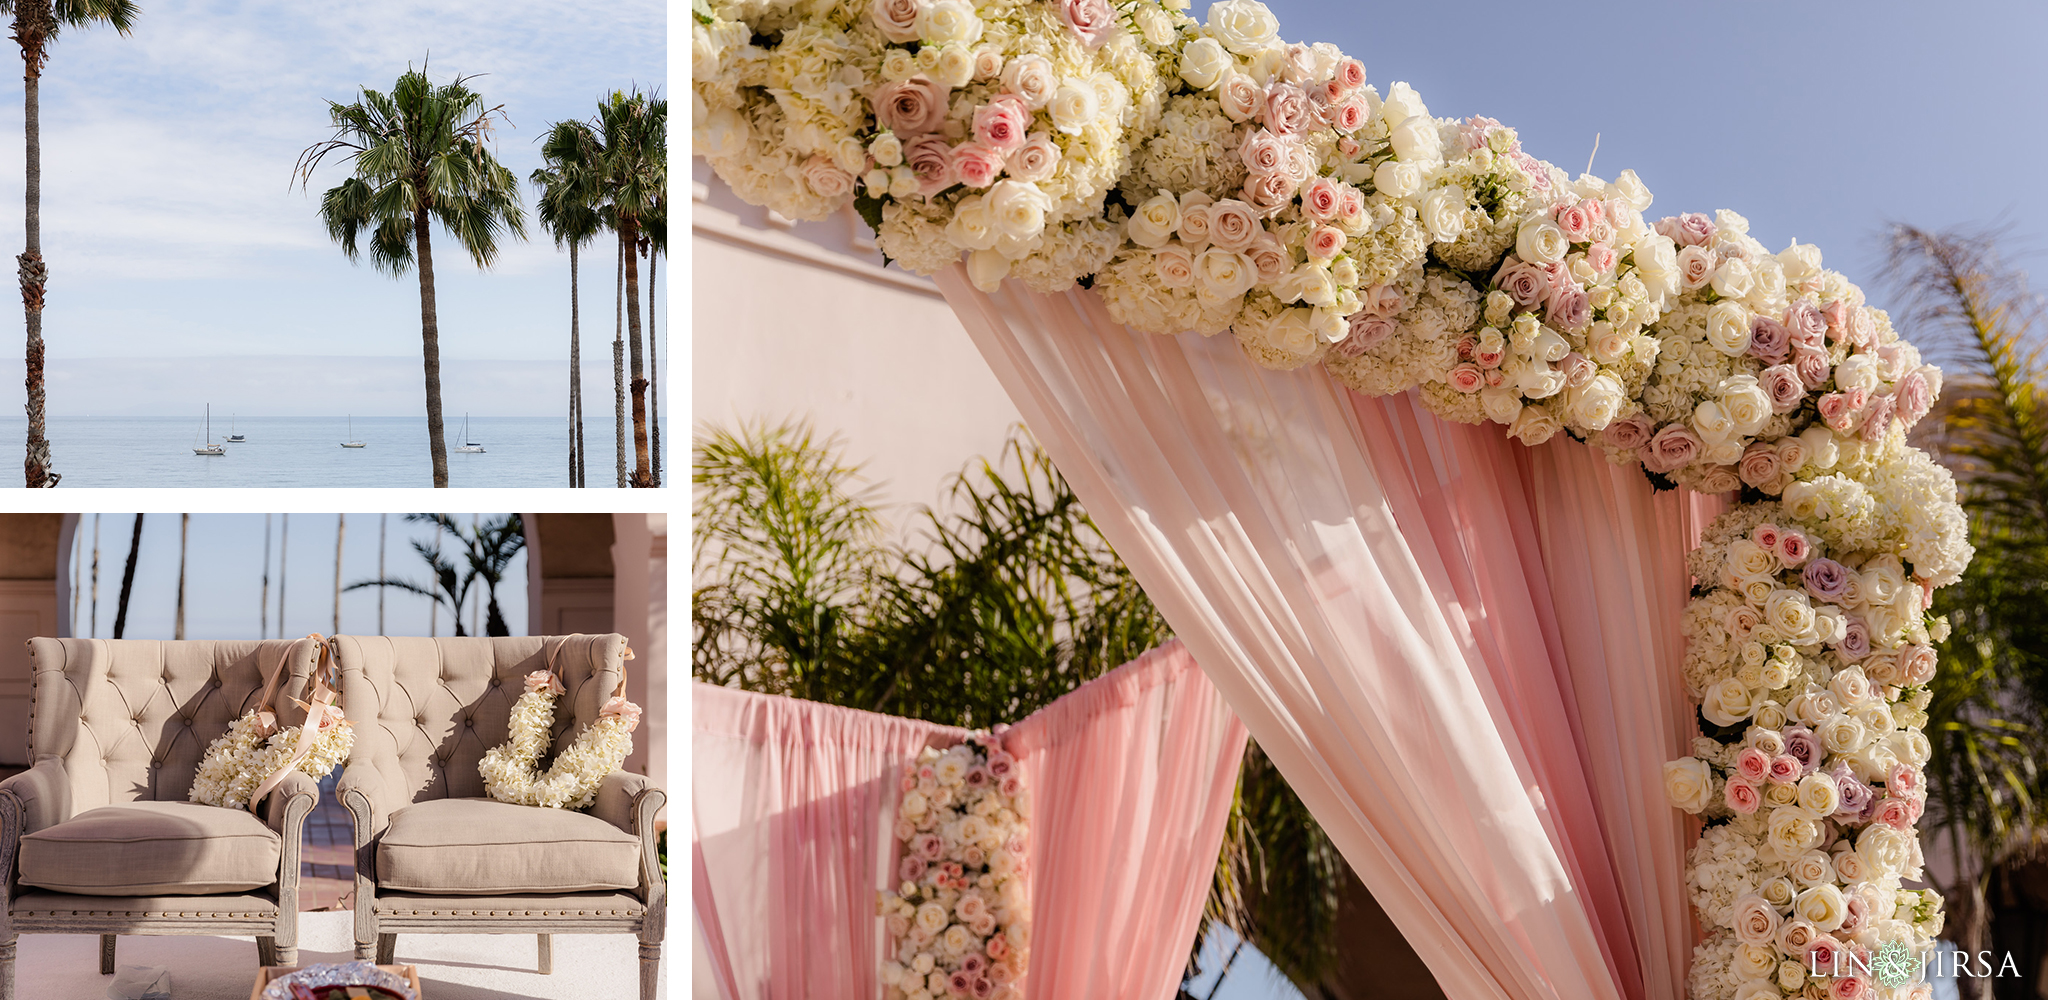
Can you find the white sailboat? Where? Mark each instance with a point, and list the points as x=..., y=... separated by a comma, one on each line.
x=467, y=444
x=351, y=442
x=234, y=438
x=210, y=447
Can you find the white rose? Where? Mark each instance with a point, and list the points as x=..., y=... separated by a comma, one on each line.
x=1031, y=77
x=1594, y=404
x=1403, y=102
x=1243, y=26
x=1203, y=63
x=931, y=917
x=1842, y=734
x=1155, y=221
x=1800, y=261
x=1712, y=422
x=1222, y=275
x=1156, y=24
x=1075, y=106
x=1656, y=261
x=1306, y=283
x=1017, y=209
x=1240, y=96
x=1540, y=241
x=1502, y=406
x=1819, y=793
x=1728, y=328
x=725, y=133
x=1443, y=214
x=1534, y=425
x=1732, y=279
x=1745, y=403
x=949, y=22
x=1396, y=179
x=1416, y=140
x=1793, y=831
x=1821, y=450
x=987, y=269
x=1822, y=906
x=1858, y=371
x=955, y=68
x=1728, y=703
x=886, y=149
x=1631, y=189
x=1689, y=784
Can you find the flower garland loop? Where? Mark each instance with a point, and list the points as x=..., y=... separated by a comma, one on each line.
x=241, y=766
x=960, y=921
x=1204, y=176
x=509, y=769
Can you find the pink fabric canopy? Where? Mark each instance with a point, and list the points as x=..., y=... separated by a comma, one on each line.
x=1130, y=778
x=1461, y=653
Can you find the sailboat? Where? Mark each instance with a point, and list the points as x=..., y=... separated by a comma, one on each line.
x=467, y=444
x=210, y=447
x=351, y=442
x=234, y=438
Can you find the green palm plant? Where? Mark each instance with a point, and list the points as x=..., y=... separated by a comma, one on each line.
x=1976, y=316
x=419, y=154
x=36, y=25
x=632, y=131
x=484, y=554
x=568, y=210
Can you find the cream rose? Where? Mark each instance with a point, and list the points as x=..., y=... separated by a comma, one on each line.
x=949, y=22
x=1155, y=221
x=1540, y=241
x=1203, y=63
x=1031, y=77
x=1756, y=920
x=1075, y=106
x=1793, y=830
x=1017, y=209
x=1396, y=179
x=1443, y=213
x=1222, y=275
x=1822, y=906
x=1175, y=265
x=1240, y=96
x=987, y=269
x=1594, y=405
x=1728, y=328
x=1534, y=425
x=1728, y=702
x=1415, y=140
x=1243, y=26
x=897, y=19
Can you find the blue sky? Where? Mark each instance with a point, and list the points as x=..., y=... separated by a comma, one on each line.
x=171, y=228
x=224, y=573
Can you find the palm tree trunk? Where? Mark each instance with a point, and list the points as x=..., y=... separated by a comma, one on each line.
x=575, y=379
x=619, y=361
x=93, y=621
x=128, y=580
x=430, y=346
x=184, y=540
x=643, y=475
x=653, y=369
x=284, y=539
x=263, y=618
x=33, y=21
x=340, y=531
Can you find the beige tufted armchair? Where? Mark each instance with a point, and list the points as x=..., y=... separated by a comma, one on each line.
x=97, y=837
x=434, y=855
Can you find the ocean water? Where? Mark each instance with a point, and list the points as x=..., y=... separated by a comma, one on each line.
x=306, y=451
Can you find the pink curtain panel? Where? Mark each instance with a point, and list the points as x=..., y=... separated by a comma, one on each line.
x=1462, y=653
x=1130, y=778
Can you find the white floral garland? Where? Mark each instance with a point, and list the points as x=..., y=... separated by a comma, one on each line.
x=508, y=769
x=1208, y=176
x=960, y=922
x=254, y=749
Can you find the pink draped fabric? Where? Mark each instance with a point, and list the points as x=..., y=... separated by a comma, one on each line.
x=1130, y=779
x=1460, y=652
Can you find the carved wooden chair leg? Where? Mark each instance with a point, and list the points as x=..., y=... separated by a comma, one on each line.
x=387, y=946
x=7, y=968
x=650, y=969
x=106, y=954
x=288, y=955
x=547, y=954
x=266, y=951
x=365, y=951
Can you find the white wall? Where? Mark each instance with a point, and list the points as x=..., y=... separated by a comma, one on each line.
x=802, y=320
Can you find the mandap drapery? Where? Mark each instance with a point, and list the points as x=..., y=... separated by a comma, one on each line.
x=1130, y=778
x=1462, y=653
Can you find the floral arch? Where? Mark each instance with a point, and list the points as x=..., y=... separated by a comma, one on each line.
x=1206, y=176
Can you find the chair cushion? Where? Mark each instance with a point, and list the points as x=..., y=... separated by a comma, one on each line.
x=469, y=847
x=152, y=849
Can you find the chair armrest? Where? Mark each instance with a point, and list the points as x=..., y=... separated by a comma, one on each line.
x=360, y=789
x=277, y=811
x=617, y=795
x=43, y=797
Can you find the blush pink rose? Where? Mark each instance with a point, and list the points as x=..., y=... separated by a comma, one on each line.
x=1793, y=548
x=1877, y=417
x=1348, y=146
x=977, y=164
x=910, y=108
x=929, y=846
x=1913, y=397
x=1917, y=663
x=1826, y=954
x=1862, y=330
x=1673, y=447
x=1752, y=765
x=910, y=869
x=1766, y=535
x=1601, y=257
x=1568, y=307
x=1629, y=433
x=1326, y=242
x=1575, y=220
x=1269, y=193
x=1759, y=466
x=1269, y=258
x=1001, y=123
x=1384, y=300
x=1689, y=230
x=1526, y=283
x=1904, y=781
x=1090, y=20
x=1895, y=813
x=1742, y=797
x=932, y=161
x=1781, y=383
x=1263, y=152
x=1806, y=323
x=826, y=180
x=1785, y=769
x=1491, y=360
x=897, y=19
x=1354, y=203
x=1841, y=410
x=1233, y=225
x=1035, y=160
x=1812, y=366
x=1322, y=199
x=1467, y=378
x=1287, y=109
x=1578, y=370
x=1367, y=331
x=1350, y=73
x=1350, y=115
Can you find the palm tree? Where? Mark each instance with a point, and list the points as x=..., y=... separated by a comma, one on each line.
x=487, y=549
x=36, y=24
x=568, y=211
x=128, y=580
x=447, y=586
x=419, y=154
x=632, y=151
